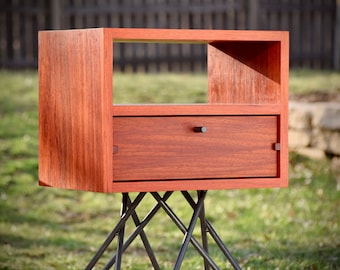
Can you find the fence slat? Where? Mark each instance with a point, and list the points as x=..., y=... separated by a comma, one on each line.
x=336, y=46
x=314, y=28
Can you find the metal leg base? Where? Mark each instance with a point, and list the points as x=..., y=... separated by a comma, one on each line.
x=128, y=209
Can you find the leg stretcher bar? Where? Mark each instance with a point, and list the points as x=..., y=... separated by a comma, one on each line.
x=128, y=209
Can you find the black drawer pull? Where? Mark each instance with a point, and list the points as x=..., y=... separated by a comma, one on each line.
x=200, y=129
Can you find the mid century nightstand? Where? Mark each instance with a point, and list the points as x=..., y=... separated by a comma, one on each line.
x=238, y=139
x=86, y=143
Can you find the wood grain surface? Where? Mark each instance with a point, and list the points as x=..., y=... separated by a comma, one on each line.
x=75, y=120
x=168, y=148
x=157, y=150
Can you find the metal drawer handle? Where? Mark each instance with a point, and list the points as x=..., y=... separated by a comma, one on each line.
x=200, y=129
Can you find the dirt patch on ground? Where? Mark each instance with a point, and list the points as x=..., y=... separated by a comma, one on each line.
x=317, y=96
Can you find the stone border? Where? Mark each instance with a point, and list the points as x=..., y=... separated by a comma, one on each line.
x=314, y=128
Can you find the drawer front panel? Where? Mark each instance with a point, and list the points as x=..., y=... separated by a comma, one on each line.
x=199, y=147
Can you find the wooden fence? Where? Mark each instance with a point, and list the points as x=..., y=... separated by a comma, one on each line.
x=314, y=27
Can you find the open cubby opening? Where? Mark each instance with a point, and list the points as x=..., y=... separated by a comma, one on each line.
x=143, y=74
x=244, y=72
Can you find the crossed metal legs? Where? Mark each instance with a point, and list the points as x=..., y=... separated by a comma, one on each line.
x=128, y=209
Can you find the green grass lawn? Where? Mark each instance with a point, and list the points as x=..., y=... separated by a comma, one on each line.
x=44, y=228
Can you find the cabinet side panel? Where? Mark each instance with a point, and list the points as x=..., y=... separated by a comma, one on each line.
x=74, y=110
x=283, y=159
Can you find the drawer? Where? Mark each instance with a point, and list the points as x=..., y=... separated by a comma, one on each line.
x=170, y=148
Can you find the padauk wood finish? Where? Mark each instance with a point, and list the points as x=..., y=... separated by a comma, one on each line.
x=74, y=117
x=168, y=148
x=244, y=72
x=78, y=125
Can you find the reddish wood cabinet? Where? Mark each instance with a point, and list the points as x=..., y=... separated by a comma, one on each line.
x=237, y=140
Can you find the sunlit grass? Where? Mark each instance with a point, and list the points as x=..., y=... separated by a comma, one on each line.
x=305, y=81
x=160, y=88
x=45, y=228
x=192, y=88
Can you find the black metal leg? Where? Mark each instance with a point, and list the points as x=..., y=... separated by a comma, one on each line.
x=114, y=232
x=128, y=209
x=214, y=235
x=191, y=228
x=203, y=232
x=222, y=247
x=121, y=233
x=139, y=231
x=146, y=243
x=181, y=226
